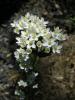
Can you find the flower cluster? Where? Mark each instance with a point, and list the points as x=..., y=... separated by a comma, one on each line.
x=34, y=35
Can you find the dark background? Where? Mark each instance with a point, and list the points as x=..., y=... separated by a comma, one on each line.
x=8, y=7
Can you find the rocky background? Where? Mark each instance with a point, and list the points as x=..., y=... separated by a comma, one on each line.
x=57, y=72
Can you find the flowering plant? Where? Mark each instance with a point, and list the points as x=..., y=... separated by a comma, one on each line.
x=33, y=35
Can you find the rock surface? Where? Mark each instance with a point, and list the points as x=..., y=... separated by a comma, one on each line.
x=58, y=73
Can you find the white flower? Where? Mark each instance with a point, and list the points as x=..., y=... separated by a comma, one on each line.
x=31, y=44
x=39, y=44
x=36, y=74
x=35, y=86
x=17, y=92
x=58, y=35
x=45, y=44
x=24, y=24
x=26, y=70
x=14, y=24
x=56, y=48
x=28, y=15
x=21, y=67
x=16, y=54
x=26, y=58
x=16, y=30
x=51, y=42
x=21, y=41
x=29, y=51
x=22, y=83
x=21, y=52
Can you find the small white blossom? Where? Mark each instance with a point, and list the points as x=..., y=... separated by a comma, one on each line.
x=17, y=92
x=16, y=30
x=39, y=44
x=21, y=67
x=26, y=58
x=36, y=74
x=21, y=41
x=22, y=83
x=35, y=86
x=21, y=51
x=56, y=48
x=16, y=54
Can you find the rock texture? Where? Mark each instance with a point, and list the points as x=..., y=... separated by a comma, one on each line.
x=8, y=74
x=58, y=73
